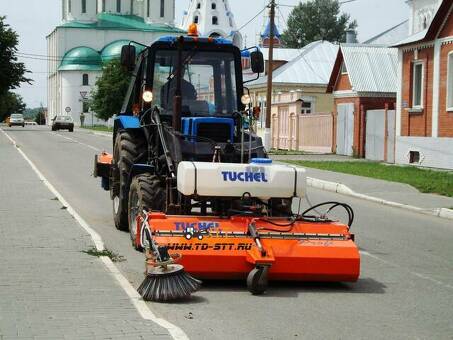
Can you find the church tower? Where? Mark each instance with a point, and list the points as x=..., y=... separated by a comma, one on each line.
x=214, y=19
x=152, y=11
x=266, y=35
x=79, y=10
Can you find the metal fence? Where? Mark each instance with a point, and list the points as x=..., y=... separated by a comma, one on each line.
x=309, y=132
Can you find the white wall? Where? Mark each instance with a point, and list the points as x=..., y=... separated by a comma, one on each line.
x=71, y=86
x=421, y=9
x=434, y=152
x=98, y=39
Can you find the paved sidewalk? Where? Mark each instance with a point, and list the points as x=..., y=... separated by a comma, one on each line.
x=49, y=289
x=390, y=191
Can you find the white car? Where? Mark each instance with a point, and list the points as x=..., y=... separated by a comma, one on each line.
x=16, y=119
x=63, y=123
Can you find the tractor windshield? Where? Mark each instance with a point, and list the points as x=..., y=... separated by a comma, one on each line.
x=208, y=84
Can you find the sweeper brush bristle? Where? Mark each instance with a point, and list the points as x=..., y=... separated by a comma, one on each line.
x=166, y=284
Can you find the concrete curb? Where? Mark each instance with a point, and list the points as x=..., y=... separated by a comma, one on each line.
x=345, y=190
x=98, y=133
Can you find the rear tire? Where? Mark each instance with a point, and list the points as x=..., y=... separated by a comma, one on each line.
x=146, y=193
x=126, y=152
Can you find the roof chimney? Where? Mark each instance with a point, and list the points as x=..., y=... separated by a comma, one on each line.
x=351, y=37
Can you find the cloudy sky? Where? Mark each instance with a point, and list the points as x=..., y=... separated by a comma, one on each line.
x=35, y=19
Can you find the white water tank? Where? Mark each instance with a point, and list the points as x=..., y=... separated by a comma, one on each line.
x=261, y=180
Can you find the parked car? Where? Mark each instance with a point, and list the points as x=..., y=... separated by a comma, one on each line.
x=63, y=123
x=27, y=122
x=16, y=119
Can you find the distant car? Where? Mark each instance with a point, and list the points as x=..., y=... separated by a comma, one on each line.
x=30, y=123
x=16, y=119
x=63, y=123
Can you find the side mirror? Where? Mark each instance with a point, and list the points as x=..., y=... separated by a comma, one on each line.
x=128, y=55
x=257, y=61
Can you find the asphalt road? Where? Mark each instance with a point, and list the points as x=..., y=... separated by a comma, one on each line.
x=405, y=289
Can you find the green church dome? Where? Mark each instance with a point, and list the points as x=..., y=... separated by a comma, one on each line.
x=113, y=50
x=81, y=59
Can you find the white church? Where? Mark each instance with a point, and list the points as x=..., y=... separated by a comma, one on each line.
x=92, y=32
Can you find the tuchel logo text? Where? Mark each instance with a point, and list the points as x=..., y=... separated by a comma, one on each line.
x=233, y=176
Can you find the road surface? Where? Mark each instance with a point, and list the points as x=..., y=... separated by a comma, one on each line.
x=405, y=289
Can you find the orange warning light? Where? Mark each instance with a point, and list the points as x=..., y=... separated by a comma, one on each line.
x=193, y=30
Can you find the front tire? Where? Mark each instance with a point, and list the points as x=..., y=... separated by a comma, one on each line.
x=126, y=152
x=146, y=193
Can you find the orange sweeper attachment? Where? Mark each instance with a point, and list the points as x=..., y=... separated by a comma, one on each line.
x=255, y=239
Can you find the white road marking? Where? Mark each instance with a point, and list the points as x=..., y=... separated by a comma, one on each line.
x=78, y=142
x=142, y=308
x=420, y=276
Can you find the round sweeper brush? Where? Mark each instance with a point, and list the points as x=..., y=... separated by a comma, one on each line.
x=166, y=283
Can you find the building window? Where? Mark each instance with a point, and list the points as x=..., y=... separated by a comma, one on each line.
x=69, y=6
x=215, y=20
x=162, y=8
x=344, y=70
x=147, y=8
x=414, y=157
x=118, y=6
x=195, y=20
x=306, y=108
x=84, y=6
x=417, y=85
x=132, y=7
x=103, y=5
x=85, y=80
x=213, y=5
x=450, y=82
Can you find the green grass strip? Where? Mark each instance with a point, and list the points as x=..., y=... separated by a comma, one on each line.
x=425, y=180
x=99, y=128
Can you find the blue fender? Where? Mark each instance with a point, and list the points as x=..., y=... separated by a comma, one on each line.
x=125, y=122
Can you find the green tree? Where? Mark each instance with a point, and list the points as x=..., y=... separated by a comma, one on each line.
x=317, y=20
x=12, y=72
x=110, y=90
x=41, y=116
x=10, y=103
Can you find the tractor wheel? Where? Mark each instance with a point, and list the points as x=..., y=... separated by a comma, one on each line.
x=126, y=152
x=146, y=193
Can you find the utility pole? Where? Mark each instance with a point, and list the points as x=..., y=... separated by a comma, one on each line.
x=267, y=130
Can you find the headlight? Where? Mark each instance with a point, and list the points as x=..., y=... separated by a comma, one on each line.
x=245, y=99
x=147, y=96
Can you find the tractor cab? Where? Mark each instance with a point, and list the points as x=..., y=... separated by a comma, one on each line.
x=195, y=86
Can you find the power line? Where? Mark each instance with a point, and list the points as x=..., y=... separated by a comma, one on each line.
x=248, y=22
